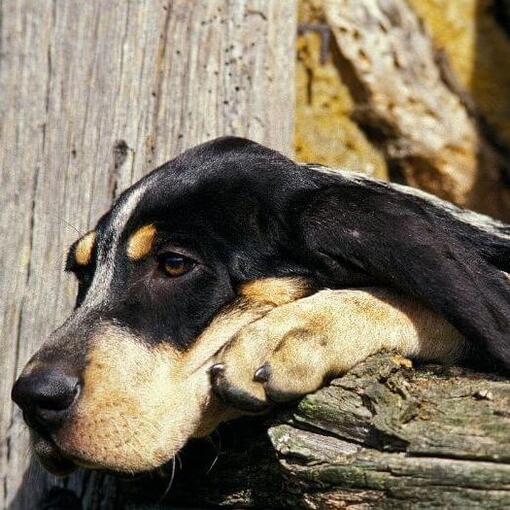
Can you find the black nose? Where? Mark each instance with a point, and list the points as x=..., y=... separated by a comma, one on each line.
x=45, y=396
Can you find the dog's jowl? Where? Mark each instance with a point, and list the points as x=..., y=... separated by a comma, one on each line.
x=202, y=295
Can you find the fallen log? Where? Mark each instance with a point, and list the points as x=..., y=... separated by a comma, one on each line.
x=386, y=435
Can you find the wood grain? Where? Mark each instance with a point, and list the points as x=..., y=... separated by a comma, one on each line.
x=93, y=95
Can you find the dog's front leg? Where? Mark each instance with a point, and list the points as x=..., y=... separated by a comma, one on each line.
x=297, y=347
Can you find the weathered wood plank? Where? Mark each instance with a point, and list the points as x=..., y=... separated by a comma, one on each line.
x=93, y=95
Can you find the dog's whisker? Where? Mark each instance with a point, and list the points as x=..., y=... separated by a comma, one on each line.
x=69, y=224
x=178, y=457
x=213, y=463
x=170, y=483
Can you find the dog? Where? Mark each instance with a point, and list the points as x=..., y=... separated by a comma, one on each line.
x=231, y=279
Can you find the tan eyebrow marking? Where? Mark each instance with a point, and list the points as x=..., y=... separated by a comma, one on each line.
x=83, y=250
x=140, y=243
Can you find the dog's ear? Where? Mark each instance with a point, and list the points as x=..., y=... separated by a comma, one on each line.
x=355, y=229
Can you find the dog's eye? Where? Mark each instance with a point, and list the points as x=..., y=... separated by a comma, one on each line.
x=175, y=264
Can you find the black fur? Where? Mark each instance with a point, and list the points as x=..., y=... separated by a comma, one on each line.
x=243, y=211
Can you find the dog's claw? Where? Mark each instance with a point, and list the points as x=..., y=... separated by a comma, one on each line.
x=263, y=373
x=231, y=395
x=217, y=369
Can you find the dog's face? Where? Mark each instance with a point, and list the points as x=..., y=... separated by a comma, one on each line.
x=209, y=243
x=168, y=275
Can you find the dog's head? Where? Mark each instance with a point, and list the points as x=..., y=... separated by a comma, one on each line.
x=168, y=275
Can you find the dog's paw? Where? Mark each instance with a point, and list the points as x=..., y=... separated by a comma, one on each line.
x=299, y=365
x=278, y=358
x=295, y=348
x=233, y=375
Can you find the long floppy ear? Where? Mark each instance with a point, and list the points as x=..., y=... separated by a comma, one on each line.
x=420, y=245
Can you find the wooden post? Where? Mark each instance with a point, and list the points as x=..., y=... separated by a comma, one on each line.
x=93, y=95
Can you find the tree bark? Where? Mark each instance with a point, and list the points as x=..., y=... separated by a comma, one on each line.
x=411, y=105
x=377, y=93
x=93, y=95
x=383, y=436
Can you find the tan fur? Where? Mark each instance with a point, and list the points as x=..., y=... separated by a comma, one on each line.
x=275, y=291
x=136, y=409
x=256, y=299
x=83, y=250
x=352, y=325
x=140, y=243
x=328, y=333
x=141, y=403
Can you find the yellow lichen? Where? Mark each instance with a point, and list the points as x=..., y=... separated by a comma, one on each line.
x=324, y=132
x=478, y=51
